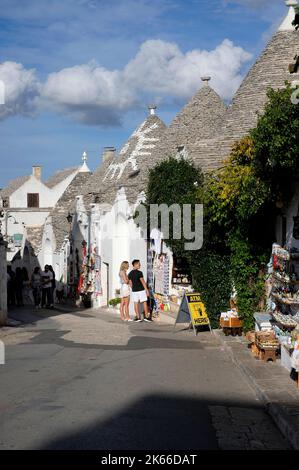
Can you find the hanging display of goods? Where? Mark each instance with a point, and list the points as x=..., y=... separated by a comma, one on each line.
x=280, y=252
x=286, y=299
x=281, y=277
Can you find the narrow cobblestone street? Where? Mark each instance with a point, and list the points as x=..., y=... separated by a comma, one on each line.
x=85, y=380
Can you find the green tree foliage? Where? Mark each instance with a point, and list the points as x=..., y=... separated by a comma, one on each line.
x=174, y=182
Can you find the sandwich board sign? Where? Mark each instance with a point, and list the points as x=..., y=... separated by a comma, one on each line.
x=192, y=311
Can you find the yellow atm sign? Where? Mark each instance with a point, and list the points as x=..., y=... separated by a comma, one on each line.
x=197, y=310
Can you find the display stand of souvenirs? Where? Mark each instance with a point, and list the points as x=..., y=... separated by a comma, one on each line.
x=161, y=280
x=168, y=276
x=278, y=329
x=90, y=277
x=284, y=298
x=264, y=345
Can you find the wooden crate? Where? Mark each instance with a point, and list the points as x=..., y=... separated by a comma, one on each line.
x=224, y=323
x=235, y=323
x=231, y=323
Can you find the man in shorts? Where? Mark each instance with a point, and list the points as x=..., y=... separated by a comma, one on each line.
x=140, y=291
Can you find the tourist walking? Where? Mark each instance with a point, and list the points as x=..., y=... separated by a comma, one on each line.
x=124, y=292
x=47, y=288
x=140, y=291
x=36, y=285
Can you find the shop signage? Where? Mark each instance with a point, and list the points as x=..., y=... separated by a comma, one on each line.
x=192, y=311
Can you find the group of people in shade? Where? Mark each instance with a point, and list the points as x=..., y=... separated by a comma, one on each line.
x=133, y=284
x=42, y=284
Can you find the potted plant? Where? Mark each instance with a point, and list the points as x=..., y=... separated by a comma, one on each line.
x=114, y=303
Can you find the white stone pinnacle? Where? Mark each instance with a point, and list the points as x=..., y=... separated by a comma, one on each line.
x=84, y=168
x=152, y=109
x=206, y=80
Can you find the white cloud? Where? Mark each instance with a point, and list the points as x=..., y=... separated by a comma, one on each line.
x=90, y=93
x=161, y=67
x=93, y=94
x=21, y=88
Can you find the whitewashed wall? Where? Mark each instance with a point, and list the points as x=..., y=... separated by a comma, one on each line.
x=19, y=198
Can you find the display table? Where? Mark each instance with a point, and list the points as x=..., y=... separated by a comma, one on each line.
x=264, y=345
x=262, y=321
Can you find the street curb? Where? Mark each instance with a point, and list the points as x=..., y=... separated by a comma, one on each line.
x=283, y=423
x=275, y=410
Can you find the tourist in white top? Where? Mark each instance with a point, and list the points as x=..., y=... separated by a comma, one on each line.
x=47, y=292
x=124, y=291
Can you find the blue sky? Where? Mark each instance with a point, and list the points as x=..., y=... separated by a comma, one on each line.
x=79, y=73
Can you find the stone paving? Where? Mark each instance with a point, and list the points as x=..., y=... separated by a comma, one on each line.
x=142, y=385
x=246, y=429
x=272, y=383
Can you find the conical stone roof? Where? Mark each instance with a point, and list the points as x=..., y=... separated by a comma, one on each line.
x=129, y=169
x=271, y=70
x=196, y=121
x=66, y=204
x=208, y=145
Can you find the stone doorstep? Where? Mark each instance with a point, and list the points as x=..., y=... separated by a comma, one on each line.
x=278, y=410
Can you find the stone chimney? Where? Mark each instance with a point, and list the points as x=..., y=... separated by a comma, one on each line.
x=152, y=109
x=108, y=153
x=206, y=80
x=37, y=172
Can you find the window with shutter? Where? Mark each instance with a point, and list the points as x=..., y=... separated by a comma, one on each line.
x=32, y=200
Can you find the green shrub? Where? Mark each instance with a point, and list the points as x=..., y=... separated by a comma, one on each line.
x=114, y=302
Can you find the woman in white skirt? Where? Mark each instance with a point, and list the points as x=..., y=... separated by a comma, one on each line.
x=124, y=291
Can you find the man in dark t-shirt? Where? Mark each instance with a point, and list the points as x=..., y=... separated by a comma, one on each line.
x=140, y=291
